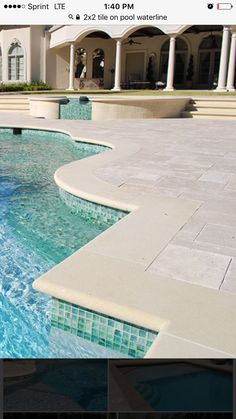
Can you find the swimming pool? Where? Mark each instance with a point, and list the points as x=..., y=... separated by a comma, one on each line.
x=37, y=231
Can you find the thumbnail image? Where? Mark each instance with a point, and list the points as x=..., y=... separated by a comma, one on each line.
x=55, y=385
x=170, y=386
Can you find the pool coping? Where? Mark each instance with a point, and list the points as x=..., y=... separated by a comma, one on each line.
x=110, y=259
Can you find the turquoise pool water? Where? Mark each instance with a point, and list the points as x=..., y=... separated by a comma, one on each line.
x=37, y=231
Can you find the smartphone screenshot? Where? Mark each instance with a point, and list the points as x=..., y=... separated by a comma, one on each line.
x=117, y=209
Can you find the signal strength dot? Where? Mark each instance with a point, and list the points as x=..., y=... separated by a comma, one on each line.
x=14, y=6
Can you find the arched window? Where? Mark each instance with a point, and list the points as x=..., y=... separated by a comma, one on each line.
x=80, y=63
x=98, y=64
x=209, y=61
x=0, y=64
x=16, y=64
x=181, y=52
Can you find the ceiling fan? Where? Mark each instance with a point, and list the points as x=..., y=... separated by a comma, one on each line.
x=132, y=42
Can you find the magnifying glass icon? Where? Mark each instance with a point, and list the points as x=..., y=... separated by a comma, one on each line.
x=70, y=16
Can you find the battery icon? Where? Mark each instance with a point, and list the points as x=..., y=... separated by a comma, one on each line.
x=224, y=6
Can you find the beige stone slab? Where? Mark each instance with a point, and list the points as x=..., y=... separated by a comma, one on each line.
x=229, y=284
x=231, y=185
x=204, y=246
x=143, y=234
x=190, y=265
x=218, y=235
x=215, y=176
x=170, y=346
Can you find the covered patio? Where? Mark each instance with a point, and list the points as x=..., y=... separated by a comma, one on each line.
x=147, y=57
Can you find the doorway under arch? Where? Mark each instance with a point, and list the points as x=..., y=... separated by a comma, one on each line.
x=181, y=55
x=209, y=61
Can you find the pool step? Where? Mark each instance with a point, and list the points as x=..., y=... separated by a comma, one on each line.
x=207, y=108
x=14, y=103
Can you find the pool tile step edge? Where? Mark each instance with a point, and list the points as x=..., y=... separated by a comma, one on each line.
x=188, y=311
x=175, y=215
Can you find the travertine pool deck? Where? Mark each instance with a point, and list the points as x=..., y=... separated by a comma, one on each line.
x=171, y=263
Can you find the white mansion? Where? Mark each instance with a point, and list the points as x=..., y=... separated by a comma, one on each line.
x=72, y=57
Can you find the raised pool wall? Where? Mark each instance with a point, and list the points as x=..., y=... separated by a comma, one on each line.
x=126, y=107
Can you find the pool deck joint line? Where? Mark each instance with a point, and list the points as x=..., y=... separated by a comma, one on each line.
x=161, y=267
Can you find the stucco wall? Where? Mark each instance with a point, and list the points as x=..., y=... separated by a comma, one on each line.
x=137, y=108
x=58, y=67
x=37, y=52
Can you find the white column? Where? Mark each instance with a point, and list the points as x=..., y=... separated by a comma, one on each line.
x=171, y=65
x=72, y=67
x=117, y=83
x=224, y=59
x=45, y=49
x=232, y=64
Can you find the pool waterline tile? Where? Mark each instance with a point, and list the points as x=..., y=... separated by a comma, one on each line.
x=76, y=110
x=91, y=210
x=129, y=339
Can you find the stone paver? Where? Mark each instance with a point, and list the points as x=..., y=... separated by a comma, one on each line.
x=229, y=283
x=218, y=235
x=217, y=177
x=190, y=265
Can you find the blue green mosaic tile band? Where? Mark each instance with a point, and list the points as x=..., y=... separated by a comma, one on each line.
x=86, y=147
x=128, y=339
x=75, y=110
x=91, y=210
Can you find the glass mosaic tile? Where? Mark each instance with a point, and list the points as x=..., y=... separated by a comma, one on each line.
x=90, y=210
x=131, y=340
x=75, y=109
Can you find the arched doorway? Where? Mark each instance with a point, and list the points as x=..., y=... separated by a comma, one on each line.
x=181, y=54
x=209, y=61
x=80, y=63
x=141, y=57
x=91, y=69
x=98, y=64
